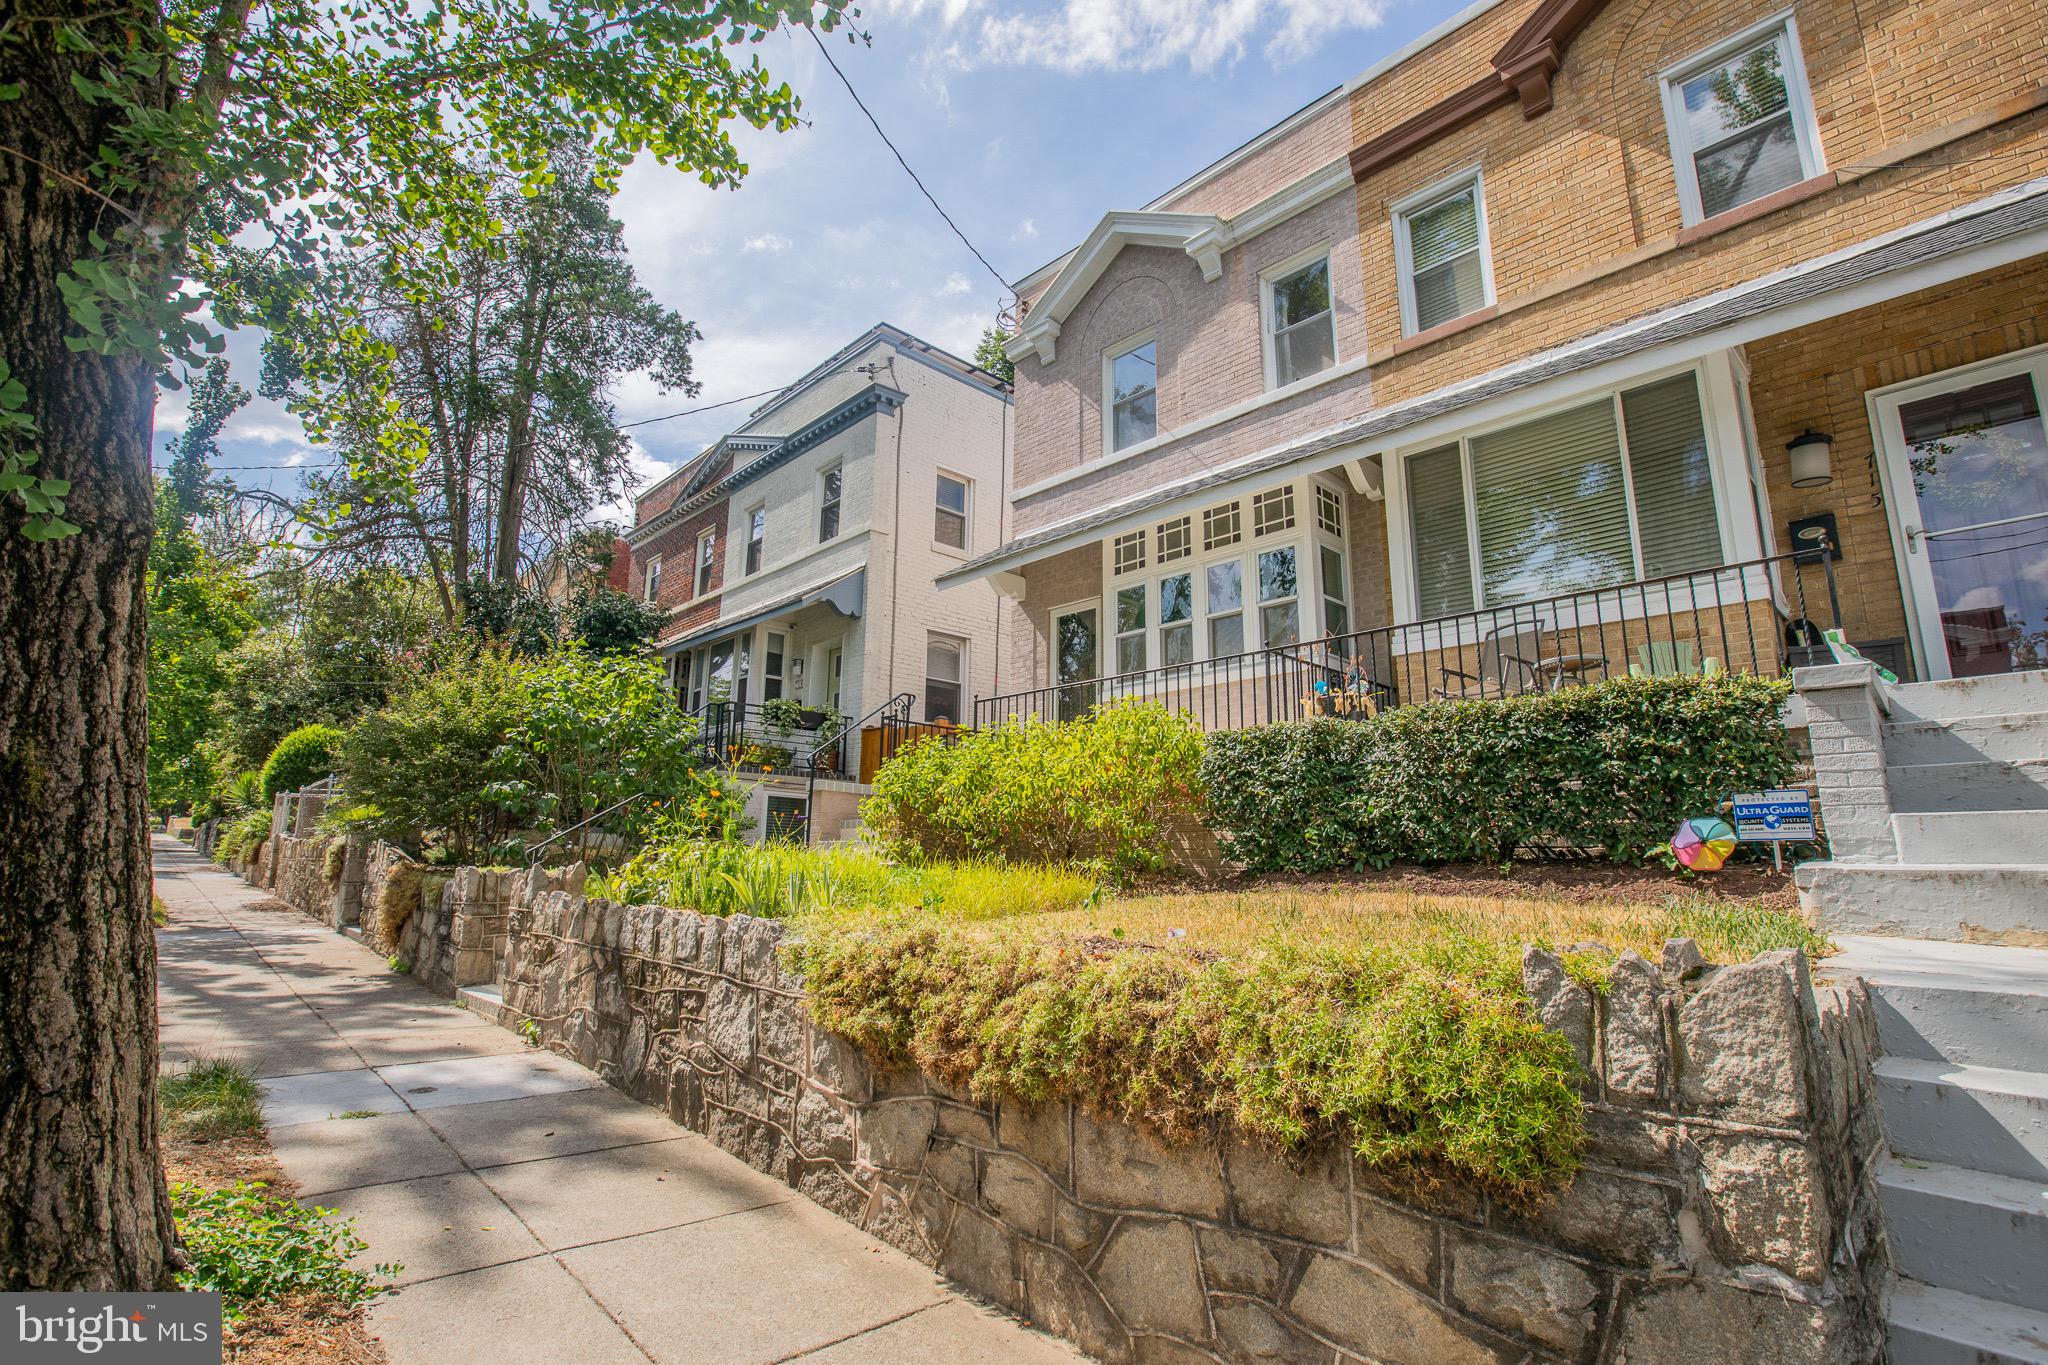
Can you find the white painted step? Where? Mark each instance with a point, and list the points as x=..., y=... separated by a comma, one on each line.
x=1966, y=1230
x=1984, y=785
x=2004, y=694
x=1974, y=903
x=487, y=1000
x=1979, y=1004
x=1933, y=1326
x=1973, y=838
x=1984, y=1118
x=1967, y=739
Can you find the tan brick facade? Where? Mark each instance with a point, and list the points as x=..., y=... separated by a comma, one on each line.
x=1918, y=109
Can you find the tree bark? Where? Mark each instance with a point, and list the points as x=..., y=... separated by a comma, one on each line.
x=82, y=1201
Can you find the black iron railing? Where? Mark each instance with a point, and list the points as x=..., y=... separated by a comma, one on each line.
x=1753, y=617
x=828, y=758
x=742, y=733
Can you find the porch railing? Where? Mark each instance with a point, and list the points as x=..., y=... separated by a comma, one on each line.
x=1753, y=617
x=737, y=732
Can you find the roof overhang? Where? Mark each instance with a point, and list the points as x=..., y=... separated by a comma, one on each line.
x=1995, y=231
x=844, y=593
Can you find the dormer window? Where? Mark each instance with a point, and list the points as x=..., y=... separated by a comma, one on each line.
x=1130, y=378
x=1440, y=251
x=1301, y=334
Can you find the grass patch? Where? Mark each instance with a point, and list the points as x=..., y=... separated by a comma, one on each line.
x=212, y=1098
x=1393, y=1022
x=360, y=1114
x=159, y=913
x=254, y=1248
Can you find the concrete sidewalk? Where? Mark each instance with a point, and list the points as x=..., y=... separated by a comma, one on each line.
x=540, y=1215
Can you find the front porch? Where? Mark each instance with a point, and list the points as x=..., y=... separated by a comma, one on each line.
x=1668, y=522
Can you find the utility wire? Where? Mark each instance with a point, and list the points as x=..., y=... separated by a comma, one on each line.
x=827, y=54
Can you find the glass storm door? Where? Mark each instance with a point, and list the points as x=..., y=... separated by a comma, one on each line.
x=1077, y=661
x=1974, y=535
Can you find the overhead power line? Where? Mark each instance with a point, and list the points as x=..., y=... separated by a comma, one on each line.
x=827, y=54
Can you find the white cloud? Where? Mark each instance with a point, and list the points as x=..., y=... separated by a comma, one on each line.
x=768, y=241
x=956, y=283
x=1139, y=35
x=1026, y=231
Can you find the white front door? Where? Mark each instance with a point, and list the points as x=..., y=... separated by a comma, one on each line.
x=1966, y=472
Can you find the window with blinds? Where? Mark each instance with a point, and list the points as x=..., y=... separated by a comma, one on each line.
x=1667, y=461
x=1436, y=516
x=1445, y=257
x=1550, y=505
x=1548, y=501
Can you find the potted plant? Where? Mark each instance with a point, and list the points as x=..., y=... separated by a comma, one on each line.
x=785, y=715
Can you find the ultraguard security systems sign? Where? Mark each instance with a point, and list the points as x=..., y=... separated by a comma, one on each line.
x=120, y=1329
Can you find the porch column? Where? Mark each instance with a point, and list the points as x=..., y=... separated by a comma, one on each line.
x=1845, y=721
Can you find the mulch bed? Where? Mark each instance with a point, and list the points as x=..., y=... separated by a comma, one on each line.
x=1582, y=882
x=301, y=1330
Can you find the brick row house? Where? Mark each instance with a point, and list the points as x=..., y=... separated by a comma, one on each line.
x=1534, y=355
x=797, y=557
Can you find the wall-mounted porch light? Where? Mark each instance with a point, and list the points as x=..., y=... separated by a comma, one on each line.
x=1811, y=463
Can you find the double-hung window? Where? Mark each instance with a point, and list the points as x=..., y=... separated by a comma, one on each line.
x=944, y=670
x=1130, y=381
x=707, y=555
x=830, y=484
x=1741, y=121
x=654, y=578
x=771, y=674
x=757, y=535
x=1130, y=629
x=1300, y=326
x=1441, y=253
x=1225, y=582
x=949, y=515
x=1617, y=488
x=1279, y=597
x=1177, y=619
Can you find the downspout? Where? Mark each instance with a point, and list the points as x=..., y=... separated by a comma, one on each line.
x=896, y=530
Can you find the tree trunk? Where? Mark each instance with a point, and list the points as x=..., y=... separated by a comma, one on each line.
x=84, y=1206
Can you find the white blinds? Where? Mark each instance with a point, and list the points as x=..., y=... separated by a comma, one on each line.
x=1667, y=459
x=1551, y=507
x=1443, y=253
x=1443, y=559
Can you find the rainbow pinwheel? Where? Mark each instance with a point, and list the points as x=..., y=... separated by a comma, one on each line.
x=1703, y=844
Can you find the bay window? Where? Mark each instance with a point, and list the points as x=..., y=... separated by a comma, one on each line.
x=1279, y=598
x=1177, y=619
x=1225, y=582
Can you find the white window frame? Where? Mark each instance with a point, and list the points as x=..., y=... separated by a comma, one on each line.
x=1110, y=356
x=1143, y=633
x=1715, y=400
x=839, y=503
x=750, y=563
x=966, y=545
x=1052, y=653
x=1296, y=547
x=651, y=579
x=1401, y=210
x=701, y=566
x=1270, y=277
x=1186, y=523
x=1247, y=602
x=960, y=644
x=1798, y=94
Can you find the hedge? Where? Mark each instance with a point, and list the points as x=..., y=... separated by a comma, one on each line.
x=1613, y=766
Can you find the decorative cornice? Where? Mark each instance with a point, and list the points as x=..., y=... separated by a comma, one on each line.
x=1522, y=72
x=1196, y=233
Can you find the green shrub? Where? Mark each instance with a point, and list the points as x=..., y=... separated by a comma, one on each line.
x=251, y=1248
x=427, y=759
x=1108, y=790
x=1424, y=1058
x=211, y=1098
x=1613, y=766
x=300, y=759
x=243, y=836
x=780, y=881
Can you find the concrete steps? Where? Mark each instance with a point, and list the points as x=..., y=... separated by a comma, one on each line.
x=1964, y=1030
x=1967, y=739
x=2001, y=694
x=1933, y=1326
x=1975, y=838
x=1981, y=785
x=1979, y=1234
x=1987, y=1118
x=1965, y=902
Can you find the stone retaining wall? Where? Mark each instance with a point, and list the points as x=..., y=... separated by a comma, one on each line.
x=1725, y=1210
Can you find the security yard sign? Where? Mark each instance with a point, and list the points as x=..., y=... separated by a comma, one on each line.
x=1776, y=817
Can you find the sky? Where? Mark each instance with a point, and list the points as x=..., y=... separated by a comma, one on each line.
x=1028, y=122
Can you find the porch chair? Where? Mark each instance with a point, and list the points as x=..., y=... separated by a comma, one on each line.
x=1507, y=666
